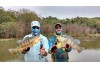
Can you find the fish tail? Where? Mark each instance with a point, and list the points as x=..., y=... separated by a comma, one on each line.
x=80, y=49
x=11, y=50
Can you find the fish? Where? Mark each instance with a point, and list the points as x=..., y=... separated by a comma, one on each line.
x=67, y=39
x=24, y=43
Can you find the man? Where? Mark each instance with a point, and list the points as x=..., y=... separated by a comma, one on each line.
x=58, y=54
x=38, y=52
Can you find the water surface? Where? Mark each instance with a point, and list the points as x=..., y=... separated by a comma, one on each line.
x=90, y=54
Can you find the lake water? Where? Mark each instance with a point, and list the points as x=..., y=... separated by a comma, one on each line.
x=91, y=53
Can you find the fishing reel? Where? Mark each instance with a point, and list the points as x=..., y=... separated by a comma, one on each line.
x=41, y=56
x=41, y=46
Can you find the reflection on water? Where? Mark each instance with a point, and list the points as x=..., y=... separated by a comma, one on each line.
x=89, y=55
x=91, y=52
x=5, y=55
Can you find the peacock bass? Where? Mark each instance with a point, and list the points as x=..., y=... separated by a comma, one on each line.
x=26, y=43
x=62, y=41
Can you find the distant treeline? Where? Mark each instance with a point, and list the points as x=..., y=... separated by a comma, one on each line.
x=16, y=24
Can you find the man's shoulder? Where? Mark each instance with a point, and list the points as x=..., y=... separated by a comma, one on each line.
x=43, y=37
x=52, y=36
x=27, y=36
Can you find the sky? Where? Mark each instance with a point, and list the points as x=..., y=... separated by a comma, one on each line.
x=61, y=12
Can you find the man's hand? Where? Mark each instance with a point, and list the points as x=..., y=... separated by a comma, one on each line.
x=67, y=46
x=25, y=50
x=53, y=49
x=43, y=52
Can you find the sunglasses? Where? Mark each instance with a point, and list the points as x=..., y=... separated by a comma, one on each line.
x=35, y=27
x=58, y=27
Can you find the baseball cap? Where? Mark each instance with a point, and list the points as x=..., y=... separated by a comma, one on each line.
x=58, y=24
x=35, y=23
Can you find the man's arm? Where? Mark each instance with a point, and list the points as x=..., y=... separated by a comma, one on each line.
x=44, y=49
x=51, y=41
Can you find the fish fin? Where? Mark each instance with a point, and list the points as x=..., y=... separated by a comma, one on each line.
x=80, y=49
x=19, y=41
x=11, y=50
x=77, y=41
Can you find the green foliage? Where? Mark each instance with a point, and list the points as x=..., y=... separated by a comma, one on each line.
x=17, y=24
x=50, y=20
x=27, y=16
x=6, y=16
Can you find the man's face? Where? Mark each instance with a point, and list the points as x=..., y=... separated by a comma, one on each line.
x=35, y=30
x=58, y=29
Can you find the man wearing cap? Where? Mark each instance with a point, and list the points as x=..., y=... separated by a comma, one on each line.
x=38, y=52
x=60, y=55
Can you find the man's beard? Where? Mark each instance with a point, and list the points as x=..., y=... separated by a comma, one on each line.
x=58, y=31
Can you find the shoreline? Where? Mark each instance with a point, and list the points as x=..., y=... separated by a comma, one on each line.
x=4, y=39
x=89, y=35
